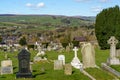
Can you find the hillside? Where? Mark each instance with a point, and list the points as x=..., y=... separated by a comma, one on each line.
x=45, y=21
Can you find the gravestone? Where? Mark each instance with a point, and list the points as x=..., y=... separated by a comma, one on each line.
x=113, y=60
x=6, y=56
x=62, y=57
x=49, y=48
x=88, y=55
x=58, y=64
x=75, y=61
x=6, y=67
x=31, y=63
x=24, y=65
x=67, y=48
x=68, y=69
x=111, y=70
x=37, y=59
x=118, y=53
x=40, y=55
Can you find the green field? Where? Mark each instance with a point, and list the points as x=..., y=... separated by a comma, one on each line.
x=50, y=74
x=43, y=22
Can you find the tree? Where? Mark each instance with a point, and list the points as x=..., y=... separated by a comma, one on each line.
x=23, y=41
x=1, y=39
x=65, y=20
x=107, y=25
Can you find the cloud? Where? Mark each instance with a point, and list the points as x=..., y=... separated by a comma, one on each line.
x=29, y=5
x=35, y=6
x=39, y=5
x=96, y=9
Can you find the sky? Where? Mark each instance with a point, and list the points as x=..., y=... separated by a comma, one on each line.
x=56, y=7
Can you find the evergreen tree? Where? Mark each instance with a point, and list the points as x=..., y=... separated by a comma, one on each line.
x=23, y=41
x=107, y=25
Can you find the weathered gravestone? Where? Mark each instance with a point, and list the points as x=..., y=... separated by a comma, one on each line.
x=113, y=60
x=40, y=57
x=67, y=48
x=58, y=64
x=49, y=48
x=68, y=69
x=88, y=55
x=118, y=53
x=24, y=65
x=6, y=67
x=62, y=57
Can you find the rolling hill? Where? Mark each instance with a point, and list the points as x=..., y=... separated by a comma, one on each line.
x=44, y=21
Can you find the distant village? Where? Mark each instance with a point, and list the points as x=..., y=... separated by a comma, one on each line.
x=10, y=36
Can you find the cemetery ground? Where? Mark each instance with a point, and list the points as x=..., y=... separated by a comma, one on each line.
x=44, y=70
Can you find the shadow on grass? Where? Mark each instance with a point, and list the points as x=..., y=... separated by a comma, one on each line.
x=38, y=74
x=34, y=71
x=14, y=67
x=2, y=77
x=73, y=72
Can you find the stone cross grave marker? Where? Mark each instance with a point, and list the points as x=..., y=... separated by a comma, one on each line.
x=112, y=41
x=113, y=60
x=6, y=67
x=75, y=51
x=24, y=65
x=75, y=61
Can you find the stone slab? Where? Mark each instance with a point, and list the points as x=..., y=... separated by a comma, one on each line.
x=113, y=61
x=6, y=63
x=68, y=69
x=6, y=70
x=58, y=64
x=111, y=70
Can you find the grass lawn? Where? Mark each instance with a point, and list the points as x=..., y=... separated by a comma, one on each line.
x=44, y=70
x=116, y=67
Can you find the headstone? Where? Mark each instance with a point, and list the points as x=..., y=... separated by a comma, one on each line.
x=88, y=55
x=24, y=65
x=62, y=57
x=40, y=53
x=110, y=69
x=75, y=61
x=31, y=63
x=6, y=67
x=68, y=69
x=49, y=48
x=58, y=64
x=26, y=48
x=67, y=48
x=40, y=56
x=37, y=59
x=39, y=47
x=6, y=56
x=112, y=60
x=118, y=53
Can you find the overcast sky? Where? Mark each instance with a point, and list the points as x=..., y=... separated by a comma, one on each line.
x=56, y=7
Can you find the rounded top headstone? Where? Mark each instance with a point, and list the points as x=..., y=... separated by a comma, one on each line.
x=23, y=52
